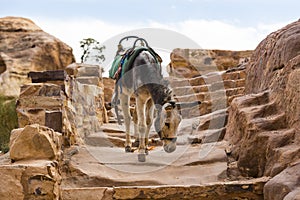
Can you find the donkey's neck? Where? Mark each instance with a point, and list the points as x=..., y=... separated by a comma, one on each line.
x=160, y=94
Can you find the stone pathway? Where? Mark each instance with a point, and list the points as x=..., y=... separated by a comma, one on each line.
x=103, y=159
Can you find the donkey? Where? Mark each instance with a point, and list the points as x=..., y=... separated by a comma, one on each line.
x=144, y=80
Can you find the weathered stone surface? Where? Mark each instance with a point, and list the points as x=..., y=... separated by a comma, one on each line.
x=101, y=165
x=46, y=76
x=38, y=99
x=31, y=180
x=275, y=65
x=84, y=109
x=12, y=187
x=285, y=185
x=25, y=47
x=264, y=125
x=53, y=119
x=260, y=136
x=92, y=193
x=35, y=142
x=84, y=70
x=251, y=189
x=188, y=63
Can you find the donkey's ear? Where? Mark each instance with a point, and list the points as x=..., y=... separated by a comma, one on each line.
x=181, y=105
x=173, y=103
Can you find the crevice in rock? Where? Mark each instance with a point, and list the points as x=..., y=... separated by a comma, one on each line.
x=2, y=65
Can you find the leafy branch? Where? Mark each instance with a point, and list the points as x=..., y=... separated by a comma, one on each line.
x=92, y=49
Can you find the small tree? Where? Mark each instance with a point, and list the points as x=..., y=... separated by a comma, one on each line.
x=92, y=50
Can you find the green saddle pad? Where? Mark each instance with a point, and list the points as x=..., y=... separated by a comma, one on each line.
x=128, y=61
x=115, y=66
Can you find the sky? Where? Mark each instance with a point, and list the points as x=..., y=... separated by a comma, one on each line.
x=213, y=24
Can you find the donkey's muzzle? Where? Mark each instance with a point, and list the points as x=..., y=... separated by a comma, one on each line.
x=170, y=147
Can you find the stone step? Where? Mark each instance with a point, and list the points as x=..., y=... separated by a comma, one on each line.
x=285, y=153
x=204, y=108
x=215, y=121
x=254, y=100
x=234, y=75
x=230, y=99
x=207, y=96
x=188, y=125
x=279, y=145
x=243, y=189
x=182, y=88
x=270, y=123
x=207, y=79
x=260, y=111
x=100, y=139
x=207, y=136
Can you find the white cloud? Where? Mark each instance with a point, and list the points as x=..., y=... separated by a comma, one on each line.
x=209, y=34
x=73, y=31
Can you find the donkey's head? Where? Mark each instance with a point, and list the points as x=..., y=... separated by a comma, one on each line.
x=166, y=125
x=167, y=122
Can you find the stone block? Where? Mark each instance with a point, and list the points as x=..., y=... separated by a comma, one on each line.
x=35, y=142
x=80, y=69
x=45, y=76
x=53, y=119
x=40, y=89
x=30, y=180
x=89, y=80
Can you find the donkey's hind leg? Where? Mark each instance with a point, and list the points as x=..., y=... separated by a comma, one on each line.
x=127, y=119
x=133, y=112
x=140, y=108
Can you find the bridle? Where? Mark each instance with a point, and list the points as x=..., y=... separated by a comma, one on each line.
x=173, y=139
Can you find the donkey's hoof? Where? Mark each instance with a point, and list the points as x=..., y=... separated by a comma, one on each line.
x=147, y=151
x=128, y=149
x=142, y=157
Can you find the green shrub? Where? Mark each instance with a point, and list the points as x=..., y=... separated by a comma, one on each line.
x=8, y=120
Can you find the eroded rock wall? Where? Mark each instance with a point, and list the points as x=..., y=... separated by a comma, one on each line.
x=32, y=170
x=189, y=63
x=84, y=107
x=24, y=47
x=264, y=125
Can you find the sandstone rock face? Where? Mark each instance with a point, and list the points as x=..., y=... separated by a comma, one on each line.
x=24, y=47
x=84, y=110
x=31, y=180
x=285, y=185
x=75, y=108
x=264, y=125
x=37, y=103
x=35, y=142
x=188, y=63
x=275, y=66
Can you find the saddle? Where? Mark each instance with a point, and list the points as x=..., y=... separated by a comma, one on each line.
x=123, y=61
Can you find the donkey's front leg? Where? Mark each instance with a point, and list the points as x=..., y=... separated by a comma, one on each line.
x=149, y=121
x=140, y=108
x=127, y=118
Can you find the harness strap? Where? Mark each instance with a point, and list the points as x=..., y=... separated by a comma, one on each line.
x=173, y=139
